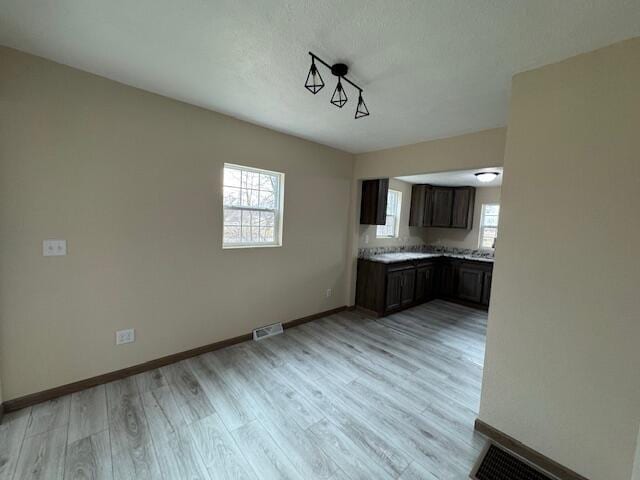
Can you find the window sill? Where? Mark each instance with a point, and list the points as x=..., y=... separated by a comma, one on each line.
x=235, y=247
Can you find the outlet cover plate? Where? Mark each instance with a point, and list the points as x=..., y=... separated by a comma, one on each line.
x=54, y=248
x=125, y=336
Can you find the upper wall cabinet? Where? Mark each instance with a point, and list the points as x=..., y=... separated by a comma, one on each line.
x=442, y=206
x=462, y=211
x=373, y=207
x=448, y=207
x=421, y=206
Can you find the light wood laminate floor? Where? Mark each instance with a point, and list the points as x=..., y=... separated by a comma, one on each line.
x=344, y=397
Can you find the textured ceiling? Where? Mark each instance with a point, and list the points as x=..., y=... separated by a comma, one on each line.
x=430, y=68
x=458, y=178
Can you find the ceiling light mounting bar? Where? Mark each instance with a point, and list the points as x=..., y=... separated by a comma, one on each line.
x=332, y=68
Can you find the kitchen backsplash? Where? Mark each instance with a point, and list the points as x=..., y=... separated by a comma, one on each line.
x=369, y=252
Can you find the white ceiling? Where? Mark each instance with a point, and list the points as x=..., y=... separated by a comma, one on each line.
x=430, y=68
x=459, y=178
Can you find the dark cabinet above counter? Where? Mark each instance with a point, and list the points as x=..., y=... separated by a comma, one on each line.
x=373, y=204
x=445, y=207
x=421, y=206
x=431, y=206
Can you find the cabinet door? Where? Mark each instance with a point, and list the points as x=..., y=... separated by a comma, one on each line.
x=421, y=201
x=418, y=200
x=393, y=297
x=462, y=213
x=470, y=284
x=445, y=280
x=428, y=206
x=442, y=205
x=486, y=288
x=373, y=205
x=424, y=283
x=408, y=287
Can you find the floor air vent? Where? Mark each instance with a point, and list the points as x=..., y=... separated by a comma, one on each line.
x=498, y=464
x=268, y=331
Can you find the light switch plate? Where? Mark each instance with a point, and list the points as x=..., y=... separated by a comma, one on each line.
x=54, y=248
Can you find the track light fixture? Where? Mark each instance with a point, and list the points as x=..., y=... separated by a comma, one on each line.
x=339, y=98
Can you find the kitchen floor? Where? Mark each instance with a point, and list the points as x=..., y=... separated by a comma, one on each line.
x=343, y=397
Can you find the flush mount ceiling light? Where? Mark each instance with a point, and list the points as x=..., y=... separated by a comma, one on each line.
x=486, y=177
x=339, y=98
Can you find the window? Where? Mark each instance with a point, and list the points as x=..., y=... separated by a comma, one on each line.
x=390, y=229
x=489, y=225
x=252, y=200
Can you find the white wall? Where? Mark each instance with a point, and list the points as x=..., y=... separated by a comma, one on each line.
x=451, y=237
x=132, y=181
x=562, y=363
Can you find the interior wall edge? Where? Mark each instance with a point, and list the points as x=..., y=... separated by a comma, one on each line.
x=545, y=463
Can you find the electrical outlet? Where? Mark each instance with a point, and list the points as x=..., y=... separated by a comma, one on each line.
x=329, y=292
x=54, y=248
x=125, y=336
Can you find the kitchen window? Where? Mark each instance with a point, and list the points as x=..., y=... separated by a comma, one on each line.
x=391, y=227
x=252, y=207
x=489, y=225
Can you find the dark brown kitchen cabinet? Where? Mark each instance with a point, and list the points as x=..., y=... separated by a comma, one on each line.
x=469, y=284
x=425, y=283
x=486, y=288
x=400, y=288
x=462, y=210
x=394, y=291
x=445, y=207
x=373, y=205
x=445, y=279
x=421, y=206
x=384, y=288
x=442, y=204
x=408, y=287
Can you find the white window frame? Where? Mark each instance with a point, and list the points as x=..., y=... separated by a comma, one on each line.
x=483, y=226
x=395, y=215
x=278, y=210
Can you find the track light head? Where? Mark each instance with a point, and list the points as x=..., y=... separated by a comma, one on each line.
x=339, y=97
x=314, y=81
x=361, y=109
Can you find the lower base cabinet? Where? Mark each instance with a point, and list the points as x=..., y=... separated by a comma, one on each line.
x=470, y=281
x=425, y=276
x=400, y=288
x=445, y=285
x=387, y=288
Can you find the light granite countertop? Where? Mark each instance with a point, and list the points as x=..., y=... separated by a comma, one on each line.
x=408, y=256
